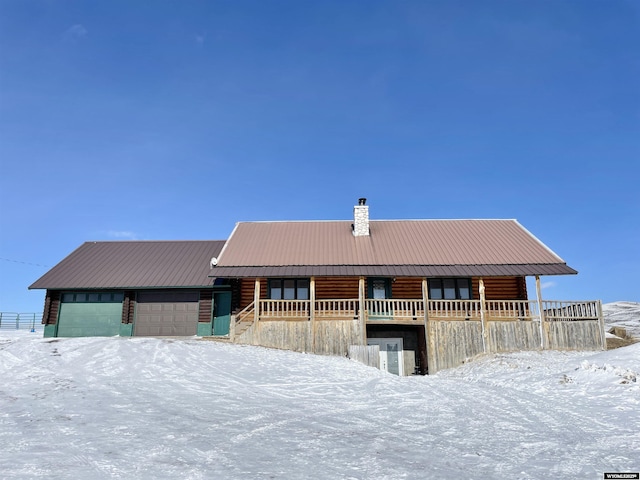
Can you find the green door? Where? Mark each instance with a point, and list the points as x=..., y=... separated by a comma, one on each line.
x=89, y=319
x=221, y=313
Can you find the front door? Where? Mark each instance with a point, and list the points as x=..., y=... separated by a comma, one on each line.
x=379, y=290
x=221, y=313
x=390, y=354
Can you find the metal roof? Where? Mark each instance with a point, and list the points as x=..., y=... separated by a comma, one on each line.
x=134, y=264
x=394, y=248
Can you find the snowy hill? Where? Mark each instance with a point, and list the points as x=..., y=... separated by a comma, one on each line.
x=623, y=314
x=144, y=408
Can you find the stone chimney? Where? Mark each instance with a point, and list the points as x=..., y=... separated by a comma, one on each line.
x=361, y=218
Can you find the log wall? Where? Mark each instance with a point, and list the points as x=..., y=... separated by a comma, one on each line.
x=407, y=288
x=336, y=288
x=496, y=288
x=501, y=288
x=206, y=306
x=128, y=306
x=247, y=287
x=51, y=307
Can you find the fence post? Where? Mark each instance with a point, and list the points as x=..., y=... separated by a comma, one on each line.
x=17, y=321
x=603, y=335
x=483, y=318
x=33, y=324
x=0, y=319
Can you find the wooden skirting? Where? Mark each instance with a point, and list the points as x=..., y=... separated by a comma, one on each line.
x=453, y=342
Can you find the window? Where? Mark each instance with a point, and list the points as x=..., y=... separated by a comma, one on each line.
x=450, y=289
x=289, y=289
x=92, y=297
x=379, y=287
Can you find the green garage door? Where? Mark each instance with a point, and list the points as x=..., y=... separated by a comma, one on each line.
x=167, y=313
x=90, y=314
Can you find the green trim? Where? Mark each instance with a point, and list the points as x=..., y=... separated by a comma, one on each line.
x=50, y=331
x=126, y=329
x=204, y=329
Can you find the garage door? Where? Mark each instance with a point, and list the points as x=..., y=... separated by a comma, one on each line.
x=90, y=314
x=166, y=314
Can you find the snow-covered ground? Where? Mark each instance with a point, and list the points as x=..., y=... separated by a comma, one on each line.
x=623, y=314
x=92, y=408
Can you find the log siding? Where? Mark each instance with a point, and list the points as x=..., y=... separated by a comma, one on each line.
x=206, y=306
x=51, y=307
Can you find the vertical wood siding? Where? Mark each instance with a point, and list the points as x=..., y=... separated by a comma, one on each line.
x=513, y=336
x=332, y=337
x=575, y=335
x=454, y=342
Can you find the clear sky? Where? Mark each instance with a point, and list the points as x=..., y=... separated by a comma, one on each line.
x=176, y=119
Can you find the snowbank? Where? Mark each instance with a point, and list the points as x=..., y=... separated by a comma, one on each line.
x=168, y=408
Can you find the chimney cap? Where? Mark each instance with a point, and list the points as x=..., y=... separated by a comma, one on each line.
x=362, y=201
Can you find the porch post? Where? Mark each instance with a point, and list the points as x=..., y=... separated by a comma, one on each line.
x=361, y=313
x=312, y=313
x=428, y=338
x=256, y=312
x=601, y=324
x=544, y=343
x=483, y=316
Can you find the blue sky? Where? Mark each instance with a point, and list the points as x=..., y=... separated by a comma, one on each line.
x=174, y=120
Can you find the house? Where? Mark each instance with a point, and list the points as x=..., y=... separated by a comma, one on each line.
x=423, y=294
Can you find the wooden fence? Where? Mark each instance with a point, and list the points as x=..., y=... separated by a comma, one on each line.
x=367, y=354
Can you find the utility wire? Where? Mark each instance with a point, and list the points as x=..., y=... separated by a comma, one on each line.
x=24, y=263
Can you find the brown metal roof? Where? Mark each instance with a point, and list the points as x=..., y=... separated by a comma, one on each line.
x=134, y=264
x=395, y=247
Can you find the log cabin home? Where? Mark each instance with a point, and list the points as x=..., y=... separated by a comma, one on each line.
x=418, y=295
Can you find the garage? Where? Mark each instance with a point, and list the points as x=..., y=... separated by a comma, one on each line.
x=90, y=314
x=166, y=313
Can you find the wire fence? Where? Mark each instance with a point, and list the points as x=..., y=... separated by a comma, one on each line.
x=21, y=321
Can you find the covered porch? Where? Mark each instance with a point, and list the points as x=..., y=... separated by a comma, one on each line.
x=455, y=330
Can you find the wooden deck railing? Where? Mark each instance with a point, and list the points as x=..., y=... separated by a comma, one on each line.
x=512, y=310
x=454, y=309
x=394, y=309
x=284, y=308
x=567, y=311
x=245, y=314
x=338, y=309
x=403, y=310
